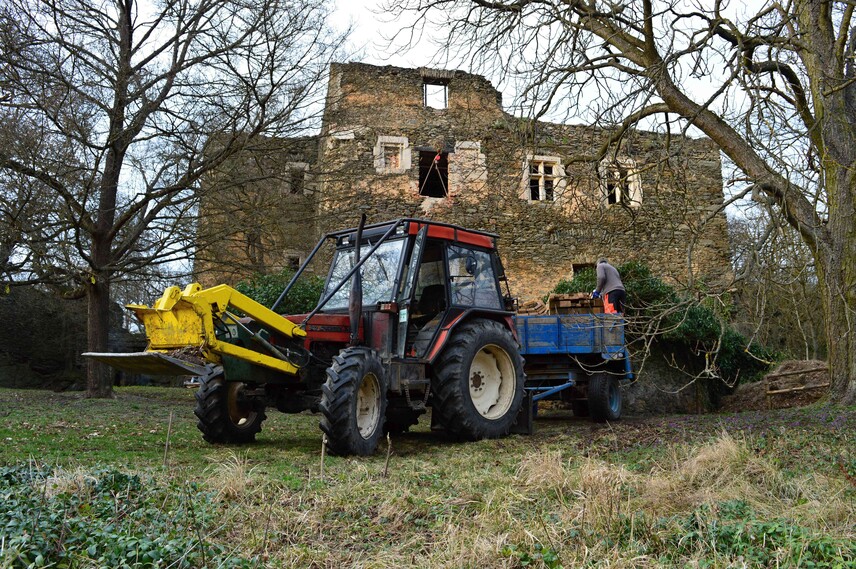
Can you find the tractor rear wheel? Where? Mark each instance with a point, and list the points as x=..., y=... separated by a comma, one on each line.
x=604, y=398
x=353, y=402
x=225, y=414
x=478, y=381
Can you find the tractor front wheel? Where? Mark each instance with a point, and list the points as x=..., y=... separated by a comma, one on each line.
x=478, y=381
x=353, y=402
x=604, y=398
x=225, y=414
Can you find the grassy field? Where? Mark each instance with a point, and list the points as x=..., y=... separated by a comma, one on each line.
x=90, y=483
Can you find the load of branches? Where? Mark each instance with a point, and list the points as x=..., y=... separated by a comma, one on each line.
x=695, y=328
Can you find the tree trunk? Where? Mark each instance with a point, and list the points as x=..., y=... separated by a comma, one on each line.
x=99, y=377
x=841, y=337
x=837, y=272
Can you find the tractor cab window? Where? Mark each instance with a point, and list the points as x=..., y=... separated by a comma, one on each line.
x=430, y=293
x=378, y=274
x=473, y=279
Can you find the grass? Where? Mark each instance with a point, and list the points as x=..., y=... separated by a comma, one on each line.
x=768, y=489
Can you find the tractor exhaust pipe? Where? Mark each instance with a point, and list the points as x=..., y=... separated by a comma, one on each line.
x=355, y=299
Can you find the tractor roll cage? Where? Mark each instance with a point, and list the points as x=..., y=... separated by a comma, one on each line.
x=445, y=231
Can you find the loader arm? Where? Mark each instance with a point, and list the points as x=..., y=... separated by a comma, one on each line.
x=184, y=320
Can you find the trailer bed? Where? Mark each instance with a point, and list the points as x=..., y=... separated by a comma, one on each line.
x=551, y=334
x=579, y=358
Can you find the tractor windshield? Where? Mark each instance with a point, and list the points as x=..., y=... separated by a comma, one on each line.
x=378, y=274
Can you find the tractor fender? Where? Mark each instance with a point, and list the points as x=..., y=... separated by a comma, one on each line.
x=452, y=321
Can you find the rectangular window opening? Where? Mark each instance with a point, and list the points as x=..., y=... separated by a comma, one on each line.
x=295, y=181
x=293, y=262
x=392, y=155
x=620, y=185
x=542, y=180
x=612, y=191
x=579, y=267
x=534, y=189
x=435, y=94
x=434, y=174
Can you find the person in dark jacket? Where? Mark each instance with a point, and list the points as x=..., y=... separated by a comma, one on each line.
x=609, y=286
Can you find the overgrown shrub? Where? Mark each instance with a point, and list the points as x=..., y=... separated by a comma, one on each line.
x=265, y=289
x=681, y=324
x=732, y=530
x=105, y=518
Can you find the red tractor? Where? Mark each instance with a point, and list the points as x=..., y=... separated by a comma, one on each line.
x=413, y=315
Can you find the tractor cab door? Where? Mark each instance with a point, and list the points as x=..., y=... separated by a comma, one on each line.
x=429, y=297
x=408, y=285
x=451, y=279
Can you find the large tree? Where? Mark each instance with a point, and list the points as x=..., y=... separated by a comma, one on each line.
x=775, y=88
x=114, y=110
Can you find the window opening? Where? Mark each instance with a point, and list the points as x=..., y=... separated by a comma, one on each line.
x=293, y=262
x=434, y=174
x=435, y=94
x=621, y=184
x=542, y=180
x=617, y=186
x=295, y=181
x=392, y=155
x=579, y=267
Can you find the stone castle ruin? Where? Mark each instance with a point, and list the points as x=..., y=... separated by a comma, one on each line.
x=437, y=144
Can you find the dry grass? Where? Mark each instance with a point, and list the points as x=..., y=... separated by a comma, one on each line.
x=573, y=494
x=420, y=518
x=78, y=482
x=232, y=478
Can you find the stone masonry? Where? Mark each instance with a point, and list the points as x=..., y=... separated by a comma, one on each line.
x=437, y=144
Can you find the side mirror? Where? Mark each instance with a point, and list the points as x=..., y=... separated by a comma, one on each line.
x=471, y=264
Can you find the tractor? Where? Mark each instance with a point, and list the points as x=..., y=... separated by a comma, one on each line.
x=414, y=314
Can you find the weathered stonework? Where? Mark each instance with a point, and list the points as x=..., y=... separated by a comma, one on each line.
x=377, y=129
x=677, y=227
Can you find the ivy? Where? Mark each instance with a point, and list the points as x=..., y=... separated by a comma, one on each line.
x=731, y=529
x=104, y=518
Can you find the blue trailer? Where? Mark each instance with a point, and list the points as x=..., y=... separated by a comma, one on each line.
x=578, y=358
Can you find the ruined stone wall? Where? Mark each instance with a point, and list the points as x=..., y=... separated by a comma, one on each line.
x=676, y=225
x=377, y=127
x=258, y=212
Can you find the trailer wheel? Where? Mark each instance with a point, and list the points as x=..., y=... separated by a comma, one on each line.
x=225, y=415
x=604, y=398
x=478, y=381
x=353, y=402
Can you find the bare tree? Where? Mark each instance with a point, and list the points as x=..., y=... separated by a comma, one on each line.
x=114, y=111
x=776, y=285
x=775, y=89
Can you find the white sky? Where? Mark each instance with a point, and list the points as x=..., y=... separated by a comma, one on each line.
x=369, y=28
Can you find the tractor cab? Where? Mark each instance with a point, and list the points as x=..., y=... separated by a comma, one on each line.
x=427, y=276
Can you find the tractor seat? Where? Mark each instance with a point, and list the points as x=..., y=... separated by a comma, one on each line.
x=433, y=299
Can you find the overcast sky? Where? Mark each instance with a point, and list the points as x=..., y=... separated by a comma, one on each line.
x=371, y=26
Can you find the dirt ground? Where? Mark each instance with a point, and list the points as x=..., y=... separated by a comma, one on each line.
x=810, y=374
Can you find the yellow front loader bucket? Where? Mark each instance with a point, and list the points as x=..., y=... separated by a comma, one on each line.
x=182, y=322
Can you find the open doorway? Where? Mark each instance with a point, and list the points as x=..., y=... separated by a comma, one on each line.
x=433, y=174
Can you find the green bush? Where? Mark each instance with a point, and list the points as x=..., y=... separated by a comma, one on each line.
x=684, y=325
x=732, y=530
x=265, y=289
x=105, y=518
